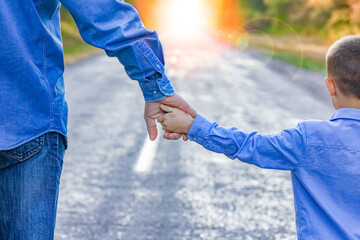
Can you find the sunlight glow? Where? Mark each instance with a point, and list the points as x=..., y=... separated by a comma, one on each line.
x=185, y=17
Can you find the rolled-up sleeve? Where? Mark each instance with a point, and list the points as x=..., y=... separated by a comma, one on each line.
x=116, y=27
x=282, y=151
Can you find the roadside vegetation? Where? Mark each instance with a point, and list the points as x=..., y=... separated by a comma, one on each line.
x=317, y=23
x=326, y=19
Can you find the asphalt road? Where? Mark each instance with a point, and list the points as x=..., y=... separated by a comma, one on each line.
x=184, y=192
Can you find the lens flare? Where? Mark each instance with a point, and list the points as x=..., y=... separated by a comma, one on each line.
x=251, y=47
x=242, y=43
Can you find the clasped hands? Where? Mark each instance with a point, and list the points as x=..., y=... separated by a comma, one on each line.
x=174, y=114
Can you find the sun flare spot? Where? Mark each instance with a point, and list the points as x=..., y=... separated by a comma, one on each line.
x=185, y=17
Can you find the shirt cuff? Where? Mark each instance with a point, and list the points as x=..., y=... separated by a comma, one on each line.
x=200, y=129
x=158, y=86
x=157, y=89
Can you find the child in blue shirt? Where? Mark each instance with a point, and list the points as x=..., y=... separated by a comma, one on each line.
x=323, y=156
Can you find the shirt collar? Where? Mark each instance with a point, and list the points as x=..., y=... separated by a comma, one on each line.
x=346, y=113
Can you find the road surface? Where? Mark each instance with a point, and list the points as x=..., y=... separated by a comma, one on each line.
x=117, y=185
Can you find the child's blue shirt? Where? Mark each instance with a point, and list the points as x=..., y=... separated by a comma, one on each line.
x=324, y=160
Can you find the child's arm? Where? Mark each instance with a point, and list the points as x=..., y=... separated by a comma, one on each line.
x=284, y=150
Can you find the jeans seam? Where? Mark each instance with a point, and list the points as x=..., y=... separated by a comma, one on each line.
x=59, y=160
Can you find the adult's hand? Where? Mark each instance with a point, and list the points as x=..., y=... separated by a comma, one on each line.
x=153, y=111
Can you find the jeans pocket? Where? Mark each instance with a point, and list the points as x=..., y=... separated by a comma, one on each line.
x=25, y=151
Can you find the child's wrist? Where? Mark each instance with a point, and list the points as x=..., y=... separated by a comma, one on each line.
x=188, y=125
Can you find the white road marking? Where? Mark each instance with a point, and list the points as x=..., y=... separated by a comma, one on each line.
x=147, y=154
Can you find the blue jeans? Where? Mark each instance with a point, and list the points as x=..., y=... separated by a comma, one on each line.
x=29, y=187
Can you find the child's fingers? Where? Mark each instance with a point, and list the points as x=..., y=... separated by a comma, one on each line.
x=172, y=136
x=166, y=108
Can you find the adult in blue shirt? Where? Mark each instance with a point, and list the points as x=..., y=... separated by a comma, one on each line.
x=33, y=118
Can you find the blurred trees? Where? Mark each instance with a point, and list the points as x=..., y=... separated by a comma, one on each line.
x=330, y=18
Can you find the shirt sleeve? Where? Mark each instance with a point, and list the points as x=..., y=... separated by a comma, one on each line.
x=116, y=27
x=283, y=151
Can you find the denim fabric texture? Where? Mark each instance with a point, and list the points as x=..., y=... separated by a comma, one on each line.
x=32, y=91
x=29, y=187
x=324, y=160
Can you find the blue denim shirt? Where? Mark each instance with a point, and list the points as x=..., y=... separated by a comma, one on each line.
x=32, y=99
x=324, y=160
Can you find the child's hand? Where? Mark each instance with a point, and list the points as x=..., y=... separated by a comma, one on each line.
x=175, y=120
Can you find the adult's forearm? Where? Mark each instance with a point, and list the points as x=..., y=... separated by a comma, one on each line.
x=116, y=27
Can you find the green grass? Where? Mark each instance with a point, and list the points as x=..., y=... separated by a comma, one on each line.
x=73, y=45
x=72, y=40
x=295, y=60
